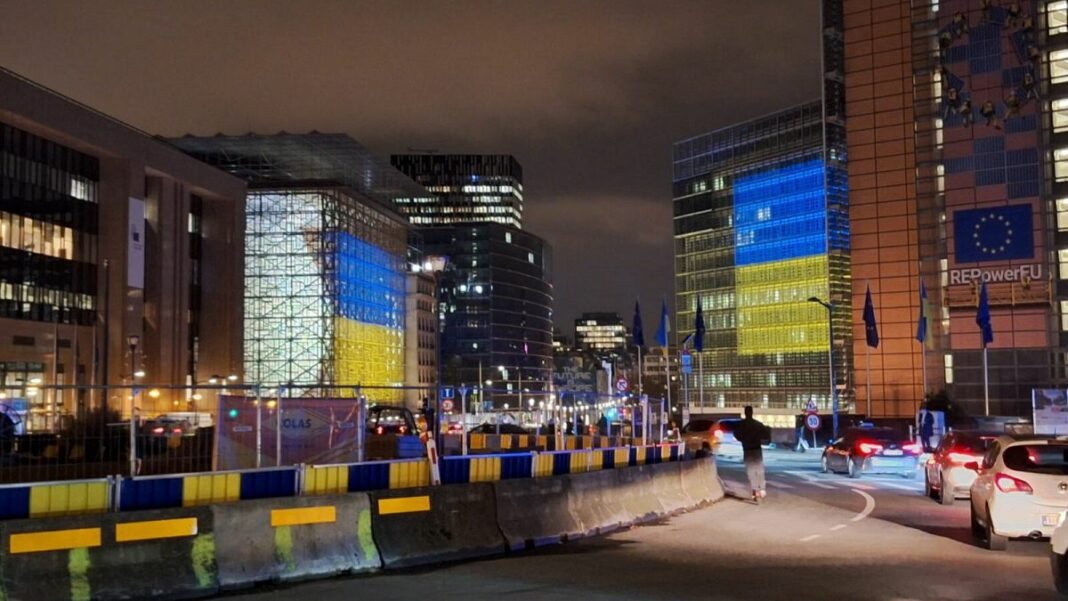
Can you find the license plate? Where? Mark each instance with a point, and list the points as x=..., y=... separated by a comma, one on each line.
x=1051, y=519
x=893, y=452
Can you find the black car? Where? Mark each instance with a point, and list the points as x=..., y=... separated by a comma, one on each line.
x=505, y=429
x=872, y=450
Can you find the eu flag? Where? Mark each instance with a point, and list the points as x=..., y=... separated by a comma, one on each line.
x=699, y=328
x=994, y=234
x=871, y=329
x=639, y=335
x=665, y=326
x=921, y=325
x=982, y=316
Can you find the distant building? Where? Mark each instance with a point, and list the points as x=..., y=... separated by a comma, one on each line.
x=326, y=265
x=561, y=343
x=113, y=239
x=495, y=300
x=465, y=188
x=602, y=333
x=421, y=338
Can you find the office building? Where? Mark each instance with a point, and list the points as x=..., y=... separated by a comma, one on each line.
x=957, y=163
x=325, y=262
x=601, y=333
x=495, y=302
x=464, y=188
x=114, y=240
x=421, y=337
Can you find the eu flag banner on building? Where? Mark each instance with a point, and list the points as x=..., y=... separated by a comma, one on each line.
x=639, y=335
x=699, y=328
x=994, y=234
x=982, y=316
x=871, y=329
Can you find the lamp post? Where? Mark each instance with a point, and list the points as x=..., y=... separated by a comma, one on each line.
x=830, y=361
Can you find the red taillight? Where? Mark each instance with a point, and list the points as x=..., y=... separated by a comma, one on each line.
x=1007, y=483
x=912, y=449
x=717, y=432
x=962, y=458
x=869, y=448
x=176, y=431
x=157, y=430
x=380, y=430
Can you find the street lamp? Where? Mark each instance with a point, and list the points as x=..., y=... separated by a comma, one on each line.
x=830, y=361
x=132, y=341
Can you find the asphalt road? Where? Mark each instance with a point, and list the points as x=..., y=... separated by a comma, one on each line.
x=817, y=536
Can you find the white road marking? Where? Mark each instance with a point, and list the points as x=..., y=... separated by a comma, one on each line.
x=859, y=485
x=811, y=537
x=810, y=479
x=869, y=506
x=839, y=527
x=775, y=484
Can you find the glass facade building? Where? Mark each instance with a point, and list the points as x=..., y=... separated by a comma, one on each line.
x=495, y=308
x=760, y=227
x=464, y=188
x=326, y=261
x=602, y=333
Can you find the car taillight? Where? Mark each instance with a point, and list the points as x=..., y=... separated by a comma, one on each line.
x=961, y=458
x=379, y=430
x=912, y=448
x=1007, y=483
x=718, y=433
x=157, y=430
x=176, y=431
x=869, y=448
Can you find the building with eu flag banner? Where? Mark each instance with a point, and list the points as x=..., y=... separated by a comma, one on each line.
x=958, y=176
x=326, y=261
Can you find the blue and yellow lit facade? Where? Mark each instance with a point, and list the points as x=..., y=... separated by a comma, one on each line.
x=761, y=226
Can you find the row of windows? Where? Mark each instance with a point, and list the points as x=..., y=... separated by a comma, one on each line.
x=28, y=234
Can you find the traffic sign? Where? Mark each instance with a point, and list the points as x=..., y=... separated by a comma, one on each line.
x=687, y=362
x=447, y=392
x=812, y=421
x=810, y=407
x=622, y=385
x=446, y=405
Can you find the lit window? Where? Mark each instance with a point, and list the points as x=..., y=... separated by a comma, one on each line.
x=508, y=237
x=1057, y=17
x=1060, y=164
x=718, y=184
x=1059, y=110
x=1062, y=263
x=79, y=189
x=1058, y=66
x=1062, y=214
x=1064, y=316
x=530, y=257
x=949, y=368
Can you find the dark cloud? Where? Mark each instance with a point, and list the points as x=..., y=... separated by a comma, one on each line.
x=588, y=95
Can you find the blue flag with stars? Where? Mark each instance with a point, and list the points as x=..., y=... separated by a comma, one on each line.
x=636, y=326
x=871, y=329
x=699, y=328
x=982, y=316
x=994, y=234
x=665, y=326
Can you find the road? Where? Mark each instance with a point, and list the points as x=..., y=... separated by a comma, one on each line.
x=817, y=536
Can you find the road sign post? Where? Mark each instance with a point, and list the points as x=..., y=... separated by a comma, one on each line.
x=463, y=419
x=812, y=421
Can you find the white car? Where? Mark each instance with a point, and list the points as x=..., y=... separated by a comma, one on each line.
x=1021, y=490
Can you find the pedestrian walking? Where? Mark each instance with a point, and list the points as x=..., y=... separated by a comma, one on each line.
x=752, y=434
x=926, y=419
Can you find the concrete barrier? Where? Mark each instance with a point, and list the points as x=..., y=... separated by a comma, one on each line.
x=635, y=488
x=536, y=512
x=166, y=554
x=596, y=503
x=668, y=489
x=271, y=540
x=420, y=526
x=700, y=481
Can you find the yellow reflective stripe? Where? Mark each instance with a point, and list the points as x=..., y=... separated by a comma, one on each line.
x=484, y=469
x=403, y=505
x=153, y=529
x=298, y=516
x=214, y=488
x=543, y=466
x=409, y=474
x=54, y=540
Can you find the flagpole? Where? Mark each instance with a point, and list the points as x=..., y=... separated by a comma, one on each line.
x=868, y=358
x=701, y=378
x=667, y=380
x=986, y=383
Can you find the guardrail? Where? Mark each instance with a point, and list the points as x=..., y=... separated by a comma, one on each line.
x=125, y=493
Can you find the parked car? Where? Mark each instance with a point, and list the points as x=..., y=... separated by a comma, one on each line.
x=1021, y=490
x=871, y=450
x=386, y=419
x=488, y=428
x=945, y=477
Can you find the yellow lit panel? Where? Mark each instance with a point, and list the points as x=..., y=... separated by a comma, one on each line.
x=370, y=355
x=774, y=314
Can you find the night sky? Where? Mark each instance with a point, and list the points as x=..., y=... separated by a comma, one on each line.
x=589, y=96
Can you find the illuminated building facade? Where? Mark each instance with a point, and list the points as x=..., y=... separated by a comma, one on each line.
x=602, y=333
x=760, y=227
x=465, y=188
x=106, y=234
x=958, y=159
x=495, y=302
x=325, y=261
